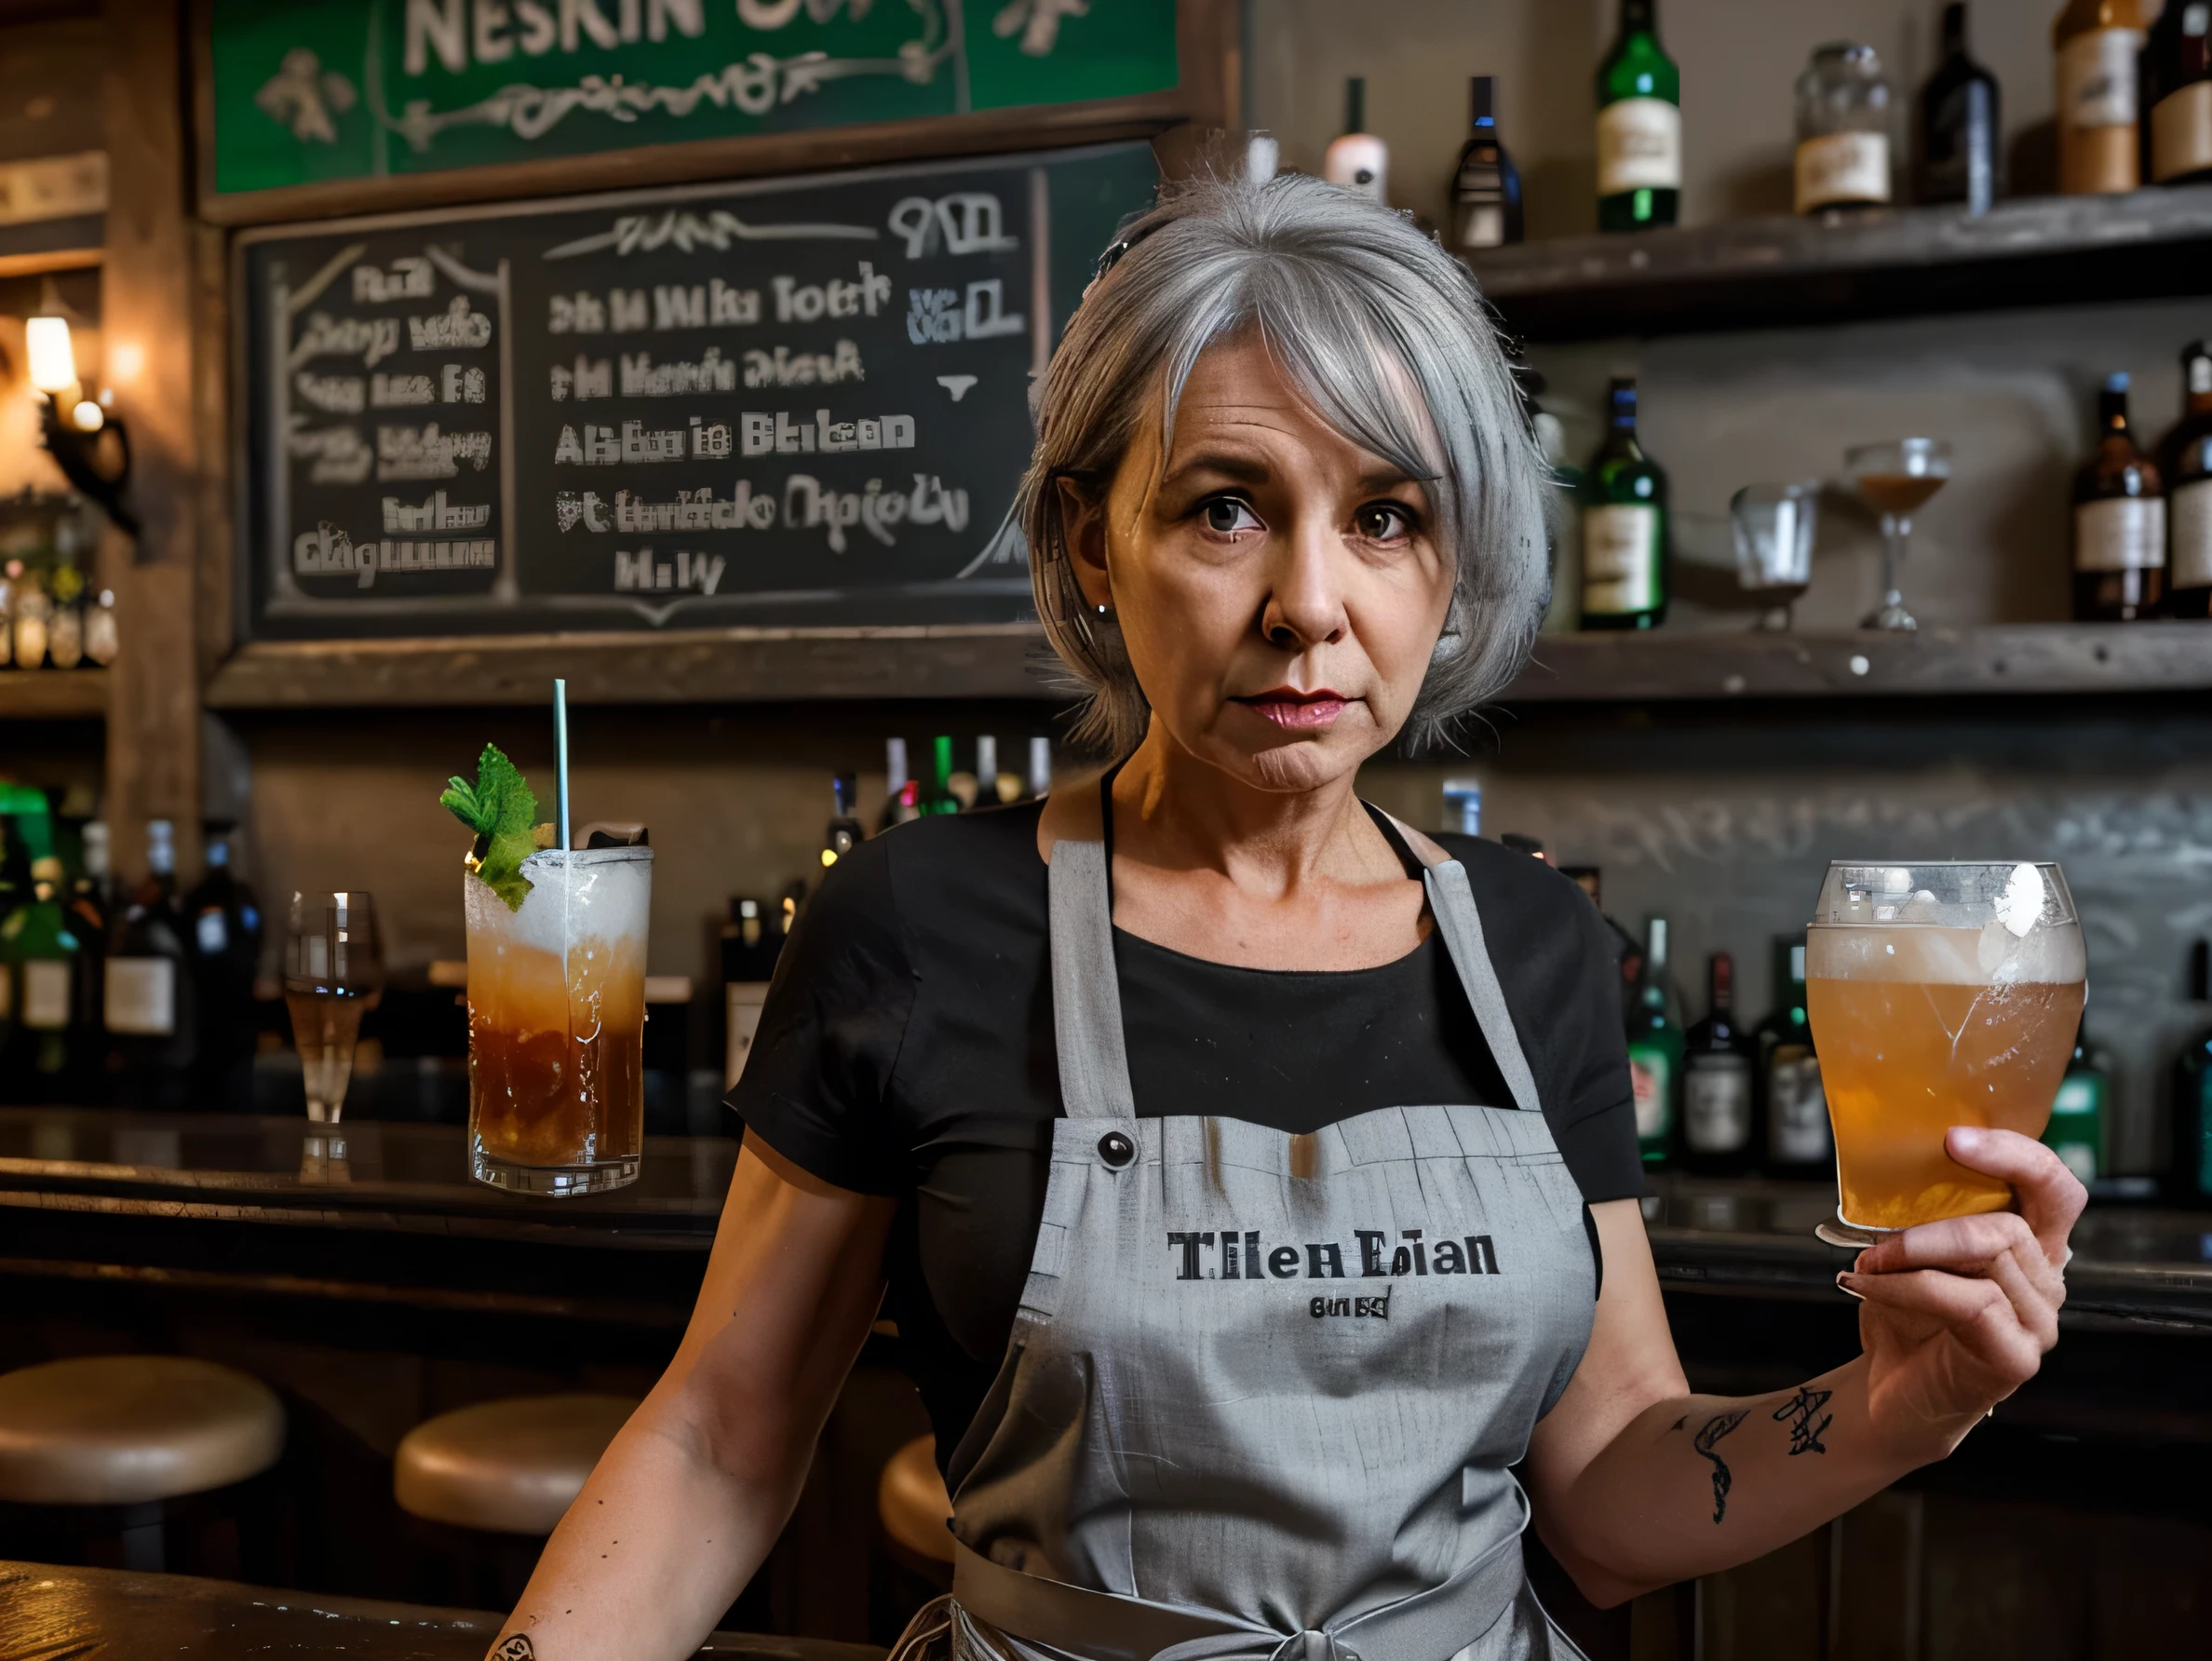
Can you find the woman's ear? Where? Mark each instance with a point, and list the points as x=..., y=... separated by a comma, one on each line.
x=1082, y=524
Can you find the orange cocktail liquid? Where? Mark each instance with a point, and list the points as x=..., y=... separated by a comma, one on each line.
x=1903, y=1061
x=556, y=1063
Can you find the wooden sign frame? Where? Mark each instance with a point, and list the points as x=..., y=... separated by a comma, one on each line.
x=1206, y=96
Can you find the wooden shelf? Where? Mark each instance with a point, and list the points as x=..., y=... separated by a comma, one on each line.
x=1765, y=273
x=1011, y=661
x=1998, y=660
x=53, y=695
x=703, y=666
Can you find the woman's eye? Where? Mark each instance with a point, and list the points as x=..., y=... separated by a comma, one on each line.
x=1225, y=516
x=1382, y=521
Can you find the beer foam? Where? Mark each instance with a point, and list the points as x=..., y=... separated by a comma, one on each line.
x=604, y=895
x=1990, y=955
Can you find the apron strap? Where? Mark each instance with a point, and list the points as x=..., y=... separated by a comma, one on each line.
x=1087, y=1016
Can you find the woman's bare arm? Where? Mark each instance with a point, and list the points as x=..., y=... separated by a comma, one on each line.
x=695, y=1491
x=1637, y=1482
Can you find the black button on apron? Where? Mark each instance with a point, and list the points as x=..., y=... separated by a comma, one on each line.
x=1116, y=1150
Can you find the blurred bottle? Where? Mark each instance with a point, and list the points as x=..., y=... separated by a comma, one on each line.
x=2081, y=1114
x=1486, y=190
x=1716, y=1081
x=936, y=795
x=2176, y=90
x=845, y=834
x=38, y=950
x=1962, y=132
x=2119, y=521
x=1654, y=1047
x=1040, y=768
x=902, y=796
x=147, y=991
x=748, y=953
x=1624, y=567
x=1790, y=1102
x=2185, y=463
x=1640, y=125
x=1356, y=159
x=1843, y=130
x=90, y=920
x=225, y=919
x=1462, y=807
x=2189, y=1171
x=2097, y=43
x=102, y=640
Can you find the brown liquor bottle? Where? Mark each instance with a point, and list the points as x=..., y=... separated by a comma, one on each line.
x=2185, y=458
x=2119, y=521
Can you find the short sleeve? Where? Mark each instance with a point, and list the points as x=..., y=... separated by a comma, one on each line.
x=1596, y=1122
x=816, y=1087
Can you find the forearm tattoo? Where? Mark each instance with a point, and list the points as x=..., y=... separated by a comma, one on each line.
x=1804, y=1434
x=1706, y=1441
x=516, y=1648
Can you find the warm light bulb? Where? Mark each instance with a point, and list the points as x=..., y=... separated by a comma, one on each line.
x=126, y=359
x=87, y=416
x=53, y=363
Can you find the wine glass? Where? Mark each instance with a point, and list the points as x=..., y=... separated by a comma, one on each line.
x=1893, y=480
x=333, y=975
x=1773, y=544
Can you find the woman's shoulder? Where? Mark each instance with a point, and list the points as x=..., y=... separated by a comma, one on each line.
x=958, y=880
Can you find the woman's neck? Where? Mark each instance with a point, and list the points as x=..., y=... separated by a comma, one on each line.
x=1177, y=813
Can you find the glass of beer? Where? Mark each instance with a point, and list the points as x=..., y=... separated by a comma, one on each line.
x=557, y=1024
x=1940, y=994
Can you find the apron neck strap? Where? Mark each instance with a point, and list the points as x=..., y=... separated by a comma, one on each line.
x=1086, y=1014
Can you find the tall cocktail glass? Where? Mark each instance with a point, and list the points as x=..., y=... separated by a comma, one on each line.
x=557, y=1024
x=1940, y=994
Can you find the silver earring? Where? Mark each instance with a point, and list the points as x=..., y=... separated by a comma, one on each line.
x=1105, y=610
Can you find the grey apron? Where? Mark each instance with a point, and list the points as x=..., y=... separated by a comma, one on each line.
x=1263, y=1388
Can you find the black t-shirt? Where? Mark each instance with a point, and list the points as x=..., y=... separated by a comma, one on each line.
x=907, y=1049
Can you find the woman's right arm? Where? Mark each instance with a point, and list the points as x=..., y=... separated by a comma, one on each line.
x=694, y=1491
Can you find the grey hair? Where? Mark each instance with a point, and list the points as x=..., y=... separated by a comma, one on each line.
x=1358, y=307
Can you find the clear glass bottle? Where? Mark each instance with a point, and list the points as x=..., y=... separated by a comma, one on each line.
x=1844, y=115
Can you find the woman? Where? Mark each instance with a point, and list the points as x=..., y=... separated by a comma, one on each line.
x=1254, y=1178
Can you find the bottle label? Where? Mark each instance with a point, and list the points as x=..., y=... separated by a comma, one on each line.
x=742, y=1001
x=1480, y=225
x=2192, y=531
x=1620, y=558
x=1640, y=146
x=1651, y=1075
x=2076, y=1130
x=2078, y=1093
x=2097, y=78
x=211, y=932
x=1716, y=1104
x=2181, y=132
x=1797, y=1108
x=1962, y=147
x=2120, y=533
x=140, y=995
x=1842, y=166
x=45, y=993
x=2204, y=1135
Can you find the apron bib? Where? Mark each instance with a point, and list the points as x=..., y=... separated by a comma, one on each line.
x=1263, y=1388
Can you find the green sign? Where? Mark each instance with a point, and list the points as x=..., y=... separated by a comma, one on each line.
x=309, y=91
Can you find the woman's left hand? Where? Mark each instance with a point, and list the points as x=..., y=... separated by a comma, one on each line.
x=1956, y=1314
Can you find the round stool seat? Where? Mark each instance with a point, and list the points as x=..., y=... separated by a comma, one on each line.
x=121, y=1430
x=510, y=1467
x=911, y=1500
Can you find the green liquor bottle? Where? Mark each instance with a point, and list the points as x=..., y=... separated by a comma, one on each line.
x=1624, y=527
x=2189, y=1174
x=1654, y=1048
x=39, y=952
x=1792, y=1103
x=1640, y=125
x=2081, y=1112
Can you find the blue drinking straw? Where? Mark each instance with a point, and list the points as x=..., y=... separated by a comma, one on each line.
x=561, y=787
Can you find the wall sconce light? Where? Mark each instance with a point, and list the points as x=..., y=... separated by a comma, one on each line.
x=74, y=440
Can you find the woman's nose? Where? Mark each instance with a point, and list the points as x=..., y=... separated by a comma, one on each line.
x=1305, y=601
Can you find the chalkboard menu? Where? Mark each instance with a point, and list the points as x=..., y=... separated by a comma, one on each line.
x=784, y=402
x=348, y=90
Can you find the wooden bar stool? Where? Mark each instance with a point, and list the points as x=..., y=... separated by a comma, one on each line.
x=917, y=1512
x=121, y=1435
x=488, y=1483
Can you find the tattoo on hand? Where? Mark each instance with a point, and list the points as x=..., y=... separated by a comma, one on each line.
x=516, y=1648
x=1804, y=1435
x=1707, y=1438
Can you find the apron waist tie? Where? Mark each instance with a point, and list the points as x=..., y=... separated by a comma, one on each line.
x=1431, y=1626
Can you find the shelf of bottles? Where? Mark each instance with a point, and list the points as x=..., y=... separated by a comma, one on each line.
x=57, y=628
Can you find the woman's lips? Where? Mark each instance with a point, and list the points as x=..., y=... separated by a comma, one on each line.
x=1297, y=712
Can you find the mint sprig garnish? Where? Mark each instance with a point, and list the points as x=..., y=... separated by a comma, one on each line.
x=500, y=809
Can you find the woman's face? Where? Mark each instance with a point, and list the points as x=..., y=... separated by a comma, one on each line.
x=1280, y=589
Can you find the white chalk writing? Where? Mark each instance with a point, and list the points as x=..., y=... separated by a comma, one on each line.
x=339, y=395
x=405, y=453
x=456, y=327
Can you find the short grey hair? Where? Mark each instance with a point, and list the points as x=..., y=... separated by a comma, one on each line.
x=1358, y=307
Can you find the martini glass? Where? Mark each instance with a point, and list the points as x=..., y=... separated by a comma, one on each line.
x=1893, y=480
